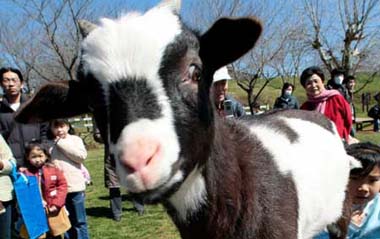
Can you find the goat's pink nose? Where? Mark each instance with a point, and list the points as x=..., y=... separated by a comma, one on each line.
x=139, y=154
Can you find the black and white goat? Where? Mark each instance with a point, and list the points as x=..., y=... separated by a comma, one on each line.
x=146, y=78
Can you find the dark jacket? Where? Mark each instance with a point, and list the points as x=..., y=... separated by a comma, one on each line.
x=374, y=112
x=341, y=88
x=18, y=135
x=289, y=102
x=111, y=180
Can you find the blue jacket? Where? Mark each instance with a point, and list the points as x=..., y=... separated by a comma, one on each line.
x=237, y=107
x=370, y=228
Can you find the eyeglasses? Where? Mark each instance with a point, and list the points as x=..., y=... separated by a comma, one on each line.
x=7, y=80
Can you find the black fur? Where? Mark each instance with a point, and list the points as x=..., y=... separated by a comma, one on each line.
x=129, y=101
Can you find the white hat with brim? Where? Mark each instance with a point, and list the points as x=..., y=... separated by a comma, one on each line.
x=221, y=74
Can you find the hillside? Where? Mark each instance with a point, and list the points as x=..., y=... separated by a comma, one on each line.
x=273, y=90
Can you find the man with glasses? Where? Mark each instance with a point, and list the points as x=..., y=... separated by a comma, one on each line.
x=17, y=135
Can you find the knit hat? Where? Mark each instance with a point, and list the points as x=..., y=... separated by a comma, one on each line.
x=221, y=74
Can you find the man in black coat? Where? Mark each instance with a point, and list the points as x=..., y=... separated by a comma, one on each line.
x=17, y=135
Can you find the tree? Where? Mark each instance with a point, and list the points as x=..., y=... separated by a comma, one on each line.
x=260, y=65
x=345, y=33
x=43, y=40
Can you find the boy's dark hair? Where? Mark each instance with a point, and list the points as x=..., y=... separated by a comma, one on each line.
x=57, y=122
x=309, y=72
x=10, y=69
x=36, y=144
x=348, y=78
x=368, y=154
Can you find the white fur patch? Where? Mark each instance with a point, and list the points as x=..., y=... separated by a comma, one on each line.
x=131, y=46
x=191, y=195
x=319, y=166
x=161, y=130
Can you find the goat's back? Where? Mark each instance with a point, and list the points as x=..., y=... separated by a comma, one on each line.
x=306, y=146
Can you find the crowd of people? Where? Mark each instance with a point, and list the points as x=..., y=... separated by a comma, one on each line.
x=55, y=155
x=47, y=151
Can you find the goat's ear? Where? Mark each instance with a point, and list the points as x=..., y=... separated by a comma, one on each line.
x=227, y=40
x=55, y=100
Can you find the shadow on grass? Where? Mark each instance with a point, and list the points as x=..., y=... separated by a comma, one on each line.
x=105, y=212
x=99, y=212
x=124, y=197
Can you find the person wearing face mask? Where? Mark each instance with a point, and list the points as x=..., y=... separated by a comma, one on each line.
x=286, y=100
x=336, y=83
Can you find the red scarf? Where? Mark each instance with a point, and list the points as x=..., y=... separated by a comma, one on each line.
x=320, y=100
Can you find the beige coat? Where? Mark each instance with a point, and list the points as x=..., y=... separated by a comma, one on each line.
x=68, y=154
x=6, y=186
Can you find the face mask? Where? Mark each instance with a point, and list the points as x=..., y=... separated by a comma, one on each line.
x=338, y=80
x=287, y=93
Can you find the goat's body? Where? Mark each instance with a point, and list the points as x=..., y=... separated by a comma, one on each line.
x=267, y=177
x=147, y=78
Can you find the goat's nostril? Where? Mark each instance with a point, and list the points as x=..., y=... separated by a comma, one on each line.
x=139, y=156
x=129, y=168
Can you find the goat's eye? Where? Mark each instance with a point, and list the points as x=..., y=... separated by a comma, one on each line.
x=194, y=73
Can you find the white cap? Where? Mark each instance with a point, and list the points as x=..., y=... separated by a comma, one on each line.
x=221, y=74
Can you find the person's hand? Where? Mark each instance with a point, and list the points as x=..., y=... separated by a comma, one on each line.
x=22, y=169
x=56, y=139
x=352, y=140
x=56, y=164
x=53, y=210
x=357, y=217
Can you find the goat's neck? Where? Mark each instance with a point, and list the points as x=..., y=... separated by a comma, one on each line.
x=193, y=205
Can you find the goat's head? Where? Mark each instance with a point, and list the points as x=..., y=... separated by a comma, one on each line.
x=146, y=78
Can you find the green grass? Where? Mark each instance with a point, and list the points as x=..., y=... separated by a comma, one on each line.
x=153, y=224
x=368, y=135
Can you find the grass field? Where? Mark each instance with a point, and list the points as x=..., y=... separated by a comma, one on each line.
x=154, y=223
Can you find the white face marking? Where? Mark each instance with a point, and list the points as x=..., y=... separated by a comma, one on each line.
x=191, y=195
x=132, y=47
x=315, y=160
x=158, y=131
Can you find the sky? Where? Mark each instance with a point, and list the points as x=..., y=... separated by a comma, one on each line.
x=193, y=12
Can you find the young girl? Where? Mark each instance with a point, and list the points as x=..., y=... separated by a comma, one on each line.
x=6, y=189
x=52, y=181
x=69, y=152
x=364, y=188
